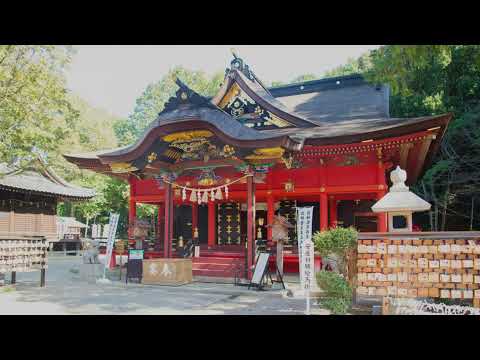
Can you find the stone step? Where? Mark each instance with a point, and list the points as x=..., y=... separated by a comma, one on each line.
x=197, y=266
x=215, y=260
x=216, y=273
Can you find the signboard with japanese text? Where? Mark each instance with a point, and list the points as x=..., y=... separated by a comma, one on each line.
x=308, y=273
x=304, y=234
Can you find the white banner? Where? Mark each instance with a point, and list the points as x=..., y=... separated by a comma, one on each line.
x=308, y=265
x=112, y=229
x=304, y=233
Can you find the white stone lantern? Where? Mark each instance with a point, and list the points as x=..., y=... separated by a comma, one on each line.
x=400, y=203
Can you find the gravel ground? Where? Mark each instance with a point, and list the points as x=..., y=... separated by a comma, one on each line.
x=66, y=294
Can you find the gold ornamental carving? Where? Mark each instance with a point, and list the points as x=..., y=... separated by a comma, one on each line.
x=122, y=167
x=187, y=136
x=266, y=153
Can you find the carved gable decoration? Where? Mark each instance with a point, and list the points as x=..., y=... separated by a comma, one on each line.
x=185, y=97
x=245, y=110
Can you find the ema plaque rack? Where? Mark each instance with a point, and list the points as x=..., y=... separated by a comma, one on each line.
x=23, y=254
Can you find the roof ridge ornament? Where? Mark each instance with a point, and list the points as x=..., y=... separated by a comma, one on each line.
x=185, y=96
x=238, y=64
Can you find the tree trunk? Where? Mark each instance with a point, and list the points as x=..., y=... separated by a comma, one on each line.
x=445, y=206
x=86, y=229
x=471, y=215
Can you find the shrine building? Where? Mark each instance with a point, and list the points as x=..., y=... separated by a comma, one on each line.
x=222, y=167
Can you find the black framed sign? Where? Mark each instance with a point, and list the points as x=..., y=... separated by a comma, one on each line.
x=135, y=265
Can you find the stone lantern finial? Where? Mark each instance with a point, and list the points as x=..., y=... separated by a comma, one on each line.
x=398, y=178
x=400, y=203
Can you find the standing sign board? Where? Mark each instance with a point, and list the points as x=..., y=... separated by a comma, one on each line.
x=304, y=234
x=135, y=265
x=308, y=272
x=112, y=229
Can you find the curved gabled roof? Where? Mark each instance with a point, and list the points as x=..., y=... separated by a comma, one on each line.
x=269, y=102
x=41, y=180
x=187, y=111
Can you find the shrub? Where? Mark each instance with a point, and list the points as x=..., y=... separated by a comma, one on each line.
x=337, y=242
x=338, y=293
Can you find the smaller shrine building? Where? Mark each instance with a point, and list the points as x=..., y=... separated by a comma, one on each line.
x=29, y=199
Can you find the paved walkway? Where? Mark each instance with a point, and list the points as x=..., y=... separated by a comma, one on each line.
x=66, y=294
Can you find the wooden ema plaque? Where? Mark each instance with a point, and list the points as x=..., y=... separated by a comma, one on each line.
x=167, y=271
x=419, y=268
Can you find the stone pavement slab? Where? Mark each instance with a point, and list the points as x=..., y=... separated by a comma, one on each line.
x=66, y=294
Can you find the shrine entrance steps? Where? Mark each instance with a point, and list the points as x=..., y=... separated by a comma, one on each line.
x=219, y=262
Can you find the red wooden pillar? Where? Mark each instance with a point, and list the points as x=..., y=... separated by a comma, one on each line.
x=382, y=217
x=382, y=185
x=167, y=239
x=270, y=215
x=250, y=223
x=333, y=212
x=194, y=217
x=323, y=211
x=160, y=222
x=211, y=224
x=132, y=209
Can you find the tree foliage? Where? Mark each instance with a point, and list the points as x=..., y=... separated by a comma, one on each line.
x=431, y=80
x=152, y=100
x=35, y=112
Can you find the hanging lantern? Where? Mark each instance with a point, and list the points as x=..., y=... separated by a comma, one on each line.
x=184, y=194
x=205, y=197
x=199, y=197
x=226, y=192
x=212, y=195
x=218, y=195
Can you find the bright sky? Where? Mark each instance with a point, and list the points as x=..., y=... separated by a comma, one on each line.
x=113, y=77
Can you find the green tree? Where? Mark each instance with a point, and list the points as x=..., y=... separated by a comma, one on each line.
x=430, y=80
x=353, y=66
x=35, y=112
x=152, y=100
x=303, y=78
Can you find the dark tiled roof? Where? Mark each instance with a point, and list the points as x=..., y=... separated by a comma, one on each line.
x=361, y=129
x=335, y=99
x=45, y=182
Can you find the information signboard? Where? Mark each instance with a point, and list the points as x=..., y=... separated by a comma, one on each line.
x=135, y=265
x=308, y=272
x=304, y=233
x=260, y=268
